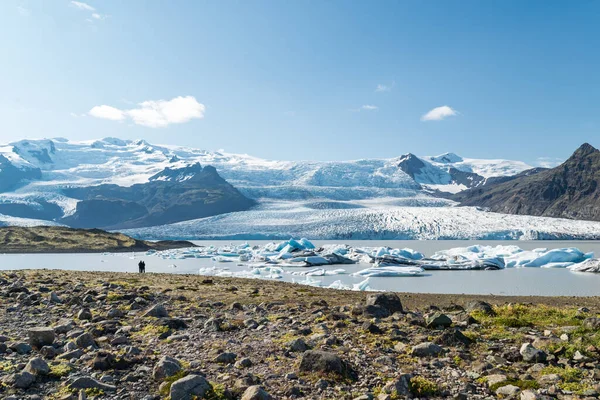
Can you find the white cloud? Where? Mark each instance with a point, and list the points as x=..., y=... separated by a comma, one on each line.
x=82, y=6
x=98, y=16
x=439, y=113
x=155, y=113
x=548, y=162
x=107, y=112
x=384, y=88
x=369, y=107
x=23, y=11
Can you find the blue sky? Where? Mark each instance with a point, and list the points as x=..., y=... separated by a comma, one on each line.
x=321, y=80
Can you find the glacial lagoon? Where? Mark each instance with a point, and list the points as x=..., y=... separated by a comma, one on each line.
x=533, y=281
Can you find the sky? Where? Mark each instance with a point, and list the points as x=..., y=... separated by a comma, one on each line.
x=307, y=80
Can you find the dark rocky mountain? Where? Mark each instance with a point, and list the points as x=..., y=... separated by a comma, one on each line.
x=424, y=172
x=570, y=190
x=172, y=195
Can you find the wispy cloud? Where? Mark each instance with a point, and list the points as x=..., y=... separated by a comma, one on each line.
x=548, y=162
x=98, y=16
x=385, y=88
x=23, y=11
x=369, y=107
x=439, y=113
x=154, y=113
x=82, y=6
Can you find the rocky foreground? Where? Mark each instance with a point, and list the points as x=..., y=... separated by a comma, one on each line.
x=78, y=335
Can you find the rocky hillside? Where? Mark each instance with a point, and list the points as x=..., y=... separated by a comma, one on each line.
x=56, y=239
x=171, y=195
x=570, y=190
x=68, y=335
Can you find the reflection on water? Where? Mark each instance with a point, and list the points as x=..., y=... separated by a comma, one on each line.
x=512, y=281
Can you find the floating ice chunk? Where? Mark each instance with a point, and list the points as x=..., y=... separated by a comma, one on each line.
x=306, y=244
x=338, y=285
x=589, y=265
x=312, y=260
x=362, y=286
x=390, y=271
x=222, y=259
x=570, y=254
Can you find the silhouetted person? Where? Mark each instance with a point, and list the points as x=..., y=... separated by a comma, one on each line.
x=142, y=267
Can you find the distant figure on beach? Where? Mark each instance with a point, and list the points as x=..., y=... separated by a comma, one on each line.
x=142, y=267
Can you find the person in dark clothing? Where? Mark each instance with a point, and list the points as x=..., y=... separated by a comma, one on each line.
x=142, y=267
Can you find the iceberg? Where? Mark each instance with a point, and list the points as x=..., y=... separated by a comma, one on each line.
x=390, y=271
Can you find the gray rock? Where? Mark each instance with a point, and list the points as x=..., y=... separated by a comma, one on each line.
x=189, y=387
x=37, y=366
x=297, y=345
x=529, y=395
x=495, y=379
x=157, y=311
x=86, y=382
x=243, y=363
x=84, y=314
x=21, y=348
x=21, y=380
x=438, y=320
x=213, y=325
x=40, y=337
x=64, y=326
x=256, y=393
x=400, y=386
x=389, y=301
x=531, y=354
x=166, y=367
x=85, y=340
x=508, y=391
x=71, y=355
x=375, y=311
x=326, y=362
x=115, y=313
x=226, y=358
x=426, y=349
x=54, y=298
x=477, y=305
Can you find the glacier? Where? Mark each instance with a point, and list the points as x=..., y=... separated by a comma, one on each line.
x=358, y=199
x=379, y=219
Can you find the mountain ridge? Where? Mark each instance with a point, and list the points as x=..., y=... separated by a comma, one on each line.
x=570, y=190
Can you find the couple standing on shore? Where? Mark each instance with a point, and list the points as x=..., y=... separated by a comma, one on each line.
x=142, y=267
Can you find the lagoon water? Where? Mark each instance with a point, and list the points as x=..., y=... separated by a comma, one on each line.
x=510, y=281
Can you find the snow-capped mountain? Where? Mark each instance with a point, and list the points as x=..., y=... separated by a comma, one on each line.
x=57, y=179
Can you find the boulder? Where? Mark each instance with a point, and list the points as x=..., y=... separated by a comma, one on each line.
x=226, y=358
x=166, y=367
x=157, y=311
x=40, y=337
x=256, y=393
x=298, y=345
x=399, y=386
x=84, y=314
x=37, y=366
x=389, y=301
x=21, y=380
x=86, y=382
x=531, y=354
x=438, y=320
x=478, y=305
x=325, y=362
x=190, y=387
x=426, y=349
